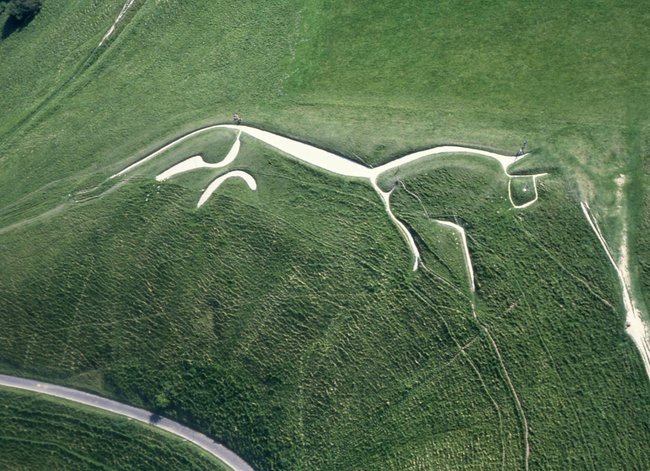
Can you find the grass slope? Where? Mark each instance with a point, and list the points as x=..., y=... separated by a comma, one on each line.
x=551, y=330
x=473, y=74
x=45, y=433
x=285, y=322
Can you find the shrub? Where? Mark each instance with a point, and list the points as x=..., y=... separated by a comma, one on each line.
x=22, y=10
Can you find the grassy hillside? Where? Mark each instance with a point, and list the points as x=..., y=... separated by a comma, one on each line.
x=554, y=316
x=639, y=213
x=45, y=433
x=567, y=78
x=286, y=322
x=290, y=316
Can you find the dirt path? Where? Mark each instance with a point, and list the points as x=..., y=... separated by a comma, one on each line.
x=110, y=31
x=219, y=451
x=520, y=409
x=635, y=326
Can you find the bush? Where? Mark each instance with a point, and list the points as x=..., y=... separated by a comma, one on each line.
x=23, y=9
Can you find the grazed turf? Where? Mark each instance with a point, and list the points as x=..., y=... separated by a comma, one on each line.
x=286, y=322
x=289, y=315
x=522, y=190
x=45, y=433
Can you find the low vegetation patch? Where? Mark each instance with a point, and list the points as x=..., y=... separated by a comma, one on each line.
x=45, y=433
x=286, y=322
x=290, y=315
x=522, y=190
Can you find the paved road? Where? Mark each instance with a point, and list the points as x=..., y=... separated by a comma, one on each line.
x=212, y=447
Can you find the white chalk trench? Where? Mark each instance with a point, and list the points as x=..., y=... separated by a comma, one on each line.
x=331, y=163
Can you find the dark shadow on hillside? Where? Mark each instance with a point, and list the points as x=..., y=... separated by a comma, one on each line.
x=155, y=418
x=14, y=24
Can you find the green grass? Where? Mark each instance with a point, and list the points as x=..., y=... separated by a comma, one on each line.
x=286, y=322
x=479, y=76
x=39, y=432
x=35, y=67
x=522, y=190
x=289, y=316
x=638, y=211
x=547, y=338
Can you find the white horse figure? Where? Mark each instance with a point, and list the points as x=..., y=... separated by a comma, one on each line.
x=326, y=161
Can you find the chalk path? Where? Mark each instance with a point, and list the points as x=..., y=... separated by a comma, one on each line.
x=408, y=237
x=110, y=31
x=219, y=451
x=636, y=327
